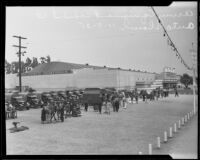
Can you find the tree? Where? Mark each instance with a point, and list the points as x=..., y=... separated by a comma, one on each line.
x=34, y=62
x=14, y=67
x=7, y=67
x=27, y=64
x=42, y=60
x=186, y=80
x=48, y=59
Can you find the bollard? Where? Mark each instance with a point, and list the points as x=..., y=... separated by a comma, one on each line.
x=175, y=128
x=140, y=153
x=179, y=124
x=185, y=118
x=182, y=121
x=165, y=136
x=170, y=132
x=158, y=142
x=150, y=148
x=188, y=116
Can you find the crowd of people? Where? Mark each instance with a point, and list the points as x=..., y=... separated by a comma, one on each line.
x=119, y=99
x=10, y=110
x=70, y=106
x=60, y=109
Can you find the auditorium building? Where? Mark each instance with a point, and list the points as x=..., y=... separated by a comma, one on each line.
x=67, y=76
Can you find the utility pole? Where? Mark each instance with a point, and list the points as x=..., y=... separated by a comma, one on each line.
x=193, y=53
x=19, y=54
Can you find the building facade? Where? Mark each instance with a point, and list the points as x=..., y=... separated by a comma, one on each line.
x=67, y=76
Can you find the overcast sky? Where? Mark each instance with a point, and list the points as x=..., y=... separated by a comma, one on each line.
x=126, y=37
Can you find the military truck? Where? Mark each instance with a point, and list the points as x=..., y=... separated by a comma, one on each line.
x=92, y=97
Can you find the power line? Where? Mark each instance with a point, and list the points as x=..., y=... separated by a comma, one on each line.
x=170, y=41
x=19, y=54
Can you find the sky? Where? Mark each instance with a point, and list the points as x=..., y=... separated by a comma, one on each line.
x=126, y=37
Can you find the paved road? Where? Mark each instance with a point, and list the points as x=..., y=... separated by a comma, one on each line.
x=126, y=132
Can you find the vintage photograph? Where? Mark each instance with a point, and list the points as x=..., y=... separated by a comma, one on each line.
x=102, y=80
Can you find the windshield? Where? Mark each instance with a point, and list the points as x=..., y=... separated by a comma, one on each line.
x=18, y=97
x=32, y=96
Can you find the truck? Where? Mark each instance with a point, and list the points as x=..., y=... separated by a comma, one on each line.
x=92, y=97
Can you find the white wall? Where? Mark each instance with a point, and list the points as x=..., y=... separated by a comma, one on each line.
x=11, y=81
x=83, y=78
x=128, y=78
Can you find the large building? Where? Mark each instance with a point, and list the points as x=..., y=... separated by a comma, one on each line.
x=62, y=76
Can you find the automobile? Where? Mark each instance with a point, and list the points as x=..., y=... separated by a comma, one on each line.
x=62, y=94
x=92, y=97
x=46, y=97
x=33, y=100
x=18, y=102
x=54, y=95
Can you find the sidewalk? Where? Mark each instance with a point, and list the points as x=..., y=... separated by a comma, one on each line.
x=184, y=144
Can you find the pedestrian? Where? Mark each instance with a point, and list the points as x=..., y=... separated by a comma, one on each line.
x=156, y=94
x=143, y=95
x=43, y=115
x=86, y=107
x=124, y=100
x=136, y=96
x=176, y=92
x=62, y=113
x=117, y=101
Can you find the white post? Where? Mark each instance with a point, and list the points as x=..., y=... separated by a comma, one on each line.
x=182, y=121
x=150, y=148
x=179, y=124
x=175, y=127
x=140, y=153
x=188, y=116
x=185, y=118
x=170, y=132
x=158, y=142
x=165, y=136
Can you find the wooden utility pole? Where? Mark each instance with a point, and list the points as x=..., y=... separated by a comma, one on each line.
x=19, y=54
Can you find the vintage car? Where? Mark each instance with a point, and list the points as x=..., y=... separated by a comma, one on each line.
x=62, y=94
x=54, y=95
x=92, y=97
x=33, y=100
x=18, y=102
x=46, y=97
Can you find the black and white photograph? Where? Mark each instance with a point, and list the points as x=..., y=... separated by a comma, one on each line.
x=102, y=80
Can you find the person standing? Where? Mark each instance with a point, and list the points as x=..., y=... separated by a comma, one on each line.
x=43, y=115
x=117, y=101
x=86, y=107
x=136, y=96
x=62, y=112
x=176, y=92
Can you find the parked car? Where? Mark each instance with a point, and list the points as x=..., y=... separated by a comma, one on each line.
x=33, y=100
x=46, y=97
x=62, y=95
x=18, y=102
x=54, y=95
